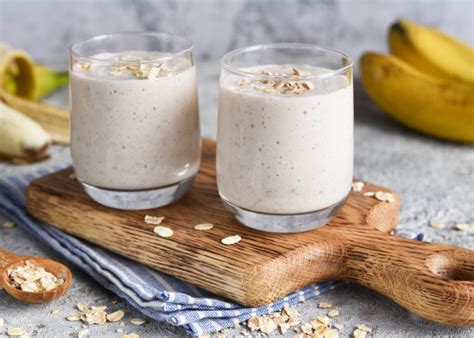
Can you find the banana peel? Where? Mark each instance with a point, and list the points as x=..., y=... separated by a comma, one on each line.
x=434, y=106
x=21, y=139
x=17, y=74
x=432, y=51
x=48, y=81
x=23, y=78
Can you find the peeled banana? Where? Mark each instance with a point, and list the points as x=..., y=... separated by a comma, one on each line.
x=432, y=51
x=53, y=119
x=20, y=137
x=434, y=106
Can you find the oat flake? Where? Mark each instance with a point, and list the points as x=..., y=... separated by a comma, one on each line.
x=163, y=231
x=437, y=224
x=17, y=331
x=357, y=186
x=384, y=196
x=9, y=224
x=115, y=316
x=231, y=240
x=464, y=227
x=153, y=220
x=82, y=333
x=204, y=226
x=137, y=321
x=357, y=333
x=324, y=305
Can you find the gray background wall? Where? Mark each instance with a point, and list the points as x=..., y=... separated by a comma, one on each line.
x=46, y=27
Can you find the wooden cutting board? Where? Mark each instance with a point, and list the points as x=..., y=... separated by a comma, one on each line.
x=434, y=281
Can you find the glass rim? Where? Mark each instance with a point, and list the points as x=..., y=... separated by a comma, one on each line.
x=73, y=46
x=227, y=66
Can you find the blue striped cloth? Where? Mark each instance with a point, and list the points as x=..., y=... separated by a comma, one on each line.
x=155, y=294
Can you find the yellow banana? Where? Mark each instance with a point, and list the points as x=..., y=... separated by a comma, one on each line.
x=48, y=80
x=21, y=138
x=16, y=72
x=432, y=51
x=433, y=106
x=21, y=77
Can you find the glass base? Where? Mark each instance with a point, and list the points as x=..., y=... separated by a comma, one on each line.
x=283, y=223
x=139, y=199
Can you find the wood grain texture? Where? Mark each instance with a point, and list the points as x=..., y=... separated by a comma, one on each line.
x=9, y=260
x=433, y=280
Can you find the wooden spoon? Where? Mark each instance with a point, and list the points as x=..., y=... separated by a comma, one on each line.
x=9, y=260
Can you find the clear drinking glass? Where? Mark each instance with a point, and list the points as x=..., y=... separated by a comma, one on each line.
x=135, y=137
x=285, y=135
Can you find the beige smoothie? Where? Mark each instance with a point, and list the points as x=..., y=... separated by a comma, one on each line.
x=285, y=147
x=135, y=124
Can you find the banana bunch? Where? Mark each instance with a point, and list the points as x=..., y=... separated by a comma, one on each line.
x=27, y=127
x=426, y=83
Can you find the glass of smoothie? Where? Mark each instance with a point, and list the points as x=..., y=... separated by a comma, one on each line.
x=135, y=138
x=285, y=135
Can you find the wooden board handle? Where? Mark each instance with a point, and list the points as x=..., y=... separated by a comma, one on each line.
x=435, y=281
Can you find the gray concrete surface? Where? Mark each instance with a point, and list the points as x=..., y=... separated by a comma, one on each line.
x=434, y=179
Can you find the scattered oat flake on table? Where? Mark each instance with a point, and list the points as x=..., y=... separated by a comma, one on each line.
x=204, y=226
x=357, y=186
x=137, y=321
x=130, y=335
x=369, y=194
x=81, y=307
x=54, y=311
x=307, y=328
x=231, y=240
x=333, y=313
x=464, y=227
x=340, y=327
x=357, y=333
x=115, y=316
x=324, y=305
x=437, y=224
x=17, y=331
x=153, y=220
x=323, y=319
x=384, y=196
x=82, y=333
x=1, y=322
x=253, y=323
x=364, y=327
x=8, y=224
x=267, y=325
x=163, y=231
x=73, y=318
